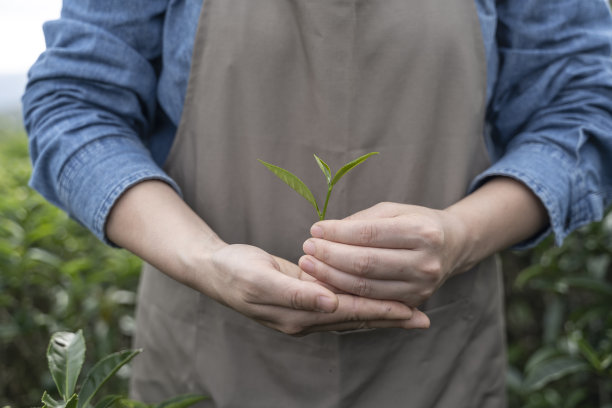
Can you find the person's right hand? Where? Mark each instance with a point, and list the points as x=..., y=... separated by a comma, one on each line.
x=279, y=295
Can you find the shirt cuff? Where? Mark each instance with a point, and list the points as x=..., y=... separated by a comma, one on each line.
x=555, y=179
x=95, y=176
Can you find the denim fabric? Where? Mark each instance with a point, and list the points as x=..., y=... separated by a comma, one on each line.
x=103, y=102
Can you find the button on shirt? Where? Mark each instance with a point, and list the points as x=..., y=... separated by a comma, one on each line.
x=103, y=102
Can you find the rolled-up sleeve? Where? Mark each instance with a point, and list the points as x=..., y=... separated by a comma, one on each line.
x=550, y=116
x=90, y=103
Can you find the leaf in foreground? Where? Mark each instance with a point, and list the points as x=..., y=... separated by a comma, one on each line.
x=49, y=402
x=102, y=371
x=65, y=355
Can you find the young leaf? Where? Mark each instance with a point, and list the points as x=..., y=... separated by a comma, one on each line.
x=102, y=371
x=292, y=181
x=324, y=168
x=65, y=355
x=182, y=401
x=350, y=165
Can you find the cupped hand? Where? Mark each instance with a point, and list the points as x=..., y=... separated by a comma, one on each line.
x=390, y=251
x=279, y=295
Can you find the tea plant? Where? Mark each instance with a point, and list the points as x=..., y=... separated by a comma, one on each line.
x=66, y=354
x=298, y=185
x=560, y=323
x=54, y=276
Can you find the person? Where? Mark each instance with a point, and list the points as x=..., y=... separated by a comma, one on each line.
x=493, y=120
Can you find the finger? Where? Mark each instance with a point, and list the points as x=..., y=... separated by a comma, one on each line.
x=351, y=309
x=418, y=321
x=291, y=269
x=402, y=291
x=373, y=263
x=408, y=232
x=277, y=289
x=380, y=210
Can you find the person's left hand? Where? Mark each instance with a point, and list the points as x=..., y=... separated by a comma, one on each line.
x=389, y=251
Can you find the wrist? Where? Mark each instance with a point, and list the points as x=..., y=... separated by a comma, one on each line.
x=195, y=260
x=464, y=240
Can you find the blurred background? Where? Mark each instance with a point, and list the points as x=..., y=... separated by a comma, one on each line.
x=56, y=276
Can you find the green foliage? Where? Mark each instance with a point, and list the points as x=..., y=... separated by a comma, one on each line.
x=298, y=185
x=66, y=354
x=560, y=323
x=54, y=276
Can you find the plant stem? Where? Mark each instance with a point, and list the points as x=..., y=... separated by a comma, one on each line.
x=329, y=190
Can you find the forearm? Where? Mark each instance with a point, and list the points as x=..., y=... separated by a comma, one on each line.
x=153, y=222
x=498, y=215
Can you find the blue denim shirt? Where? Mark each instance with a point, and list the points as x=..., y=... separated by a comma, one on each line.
x=103, y=102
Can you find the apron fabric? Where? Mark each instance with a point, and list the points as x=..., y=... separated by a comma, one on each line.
x=279, y=80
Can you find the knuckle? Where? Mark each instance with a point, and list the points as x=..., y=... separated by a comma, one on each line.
x=433, y=236
x=367, y=234
x=432, y=269
x=296, y=300
x=363, y=264
x=361, y=287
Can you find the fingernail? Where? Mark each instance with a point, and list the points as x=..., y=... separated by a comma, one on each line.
x=306, y=265
x=326, y=304
x=316, y=231
x=309, y=247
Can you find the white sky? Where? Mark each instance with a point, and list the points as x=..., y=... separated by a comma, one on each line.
x=21, y=37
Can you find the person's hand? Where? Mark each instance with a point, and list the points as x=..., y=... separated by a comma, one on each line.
x=390, y=251
x=279, y=295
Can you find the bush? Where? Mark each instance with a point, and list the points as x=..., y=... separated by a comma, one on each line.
x=559, y=314
x=54, y=276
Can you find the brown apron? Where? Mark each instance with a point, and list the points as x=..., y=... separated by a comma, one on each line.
x=280, y=80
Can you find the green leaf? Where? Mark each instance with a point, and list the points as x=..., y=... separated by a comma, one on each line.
x=588, y=283
x=551, y=370
x=324, y=168
x=182, y=401
x=292, y=181
x=348, y=166
x=527, y=274
x=539, y=356
x=102, y=371
x=49, y=402
x=65, y=356
x=108, y=401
